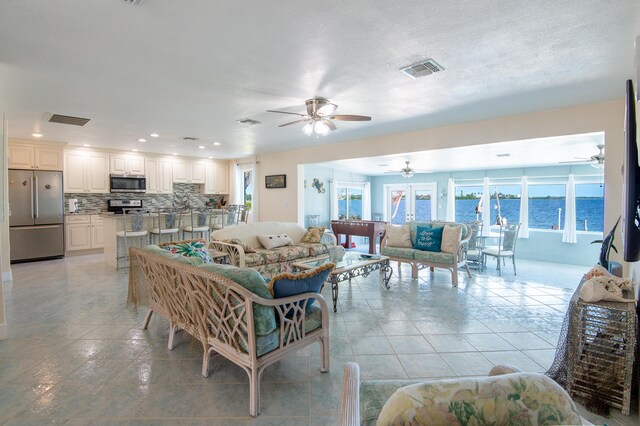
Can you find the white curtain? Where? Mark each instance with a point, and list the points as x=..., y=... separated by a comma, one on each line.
x=486, y=205
x=255, y=204
x=451, y=201
x=237, y=187
x=569, y=235
x=366, y=201
x=334, y=199
x=524, y=208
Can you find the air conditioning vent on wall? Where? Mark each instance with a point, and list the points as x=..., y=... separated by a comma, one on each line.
x=423, y=68
x=67, y=119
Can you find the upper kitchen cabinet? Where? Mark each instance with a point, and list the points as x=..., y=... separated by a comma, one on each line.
x=32, y=157
x=185, y=171
x=86, y=171
x=124, y=164
x=159, y=174
x=216, y=179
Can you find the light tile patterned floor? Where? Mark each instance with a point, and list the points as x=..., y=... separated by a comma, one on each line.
x=77, y=356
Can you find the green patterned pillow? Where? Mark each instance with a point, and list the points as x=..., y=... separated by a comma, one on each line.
x=193, y=248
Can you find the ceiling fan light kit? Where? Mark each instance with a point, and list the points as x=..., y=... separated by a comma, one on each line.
x=318, y=118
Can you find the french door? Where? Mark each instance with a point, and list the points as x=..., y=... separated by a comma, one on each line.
x=405, y=202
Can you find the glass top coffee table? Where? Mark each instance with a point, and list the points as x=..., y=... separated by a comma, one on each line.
x=352, y=265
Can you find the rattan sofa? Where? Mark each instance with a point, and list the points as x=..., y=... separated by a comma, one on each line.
x=223, y=315
x=419, y=259
x=268, y=262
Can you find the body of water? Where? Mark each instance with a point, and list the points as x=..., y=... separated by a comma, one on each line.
x=543, y=212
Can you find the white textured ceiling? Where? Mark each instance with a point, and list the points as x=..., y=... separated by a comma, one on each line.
x=192, y=68
x=555, y=151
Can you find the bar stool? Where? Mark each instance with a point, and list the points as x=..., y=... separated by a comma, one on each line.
x=200, y=224
x=168, y=223
x=134, y=229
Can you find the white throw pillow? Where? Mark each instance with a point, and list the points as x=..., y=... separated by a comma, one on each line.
x=272, y=241
x=451, y=236
x=398, y=236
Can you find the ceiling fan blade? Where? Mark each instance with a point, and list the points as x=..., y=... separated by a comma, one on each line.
x=575, y=161
x=287, y=112
x=346, y=117
x=293, y=122
x=329, y=124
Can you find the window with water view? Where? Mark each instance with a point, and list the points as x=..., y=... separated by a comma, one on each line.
x=349, y=203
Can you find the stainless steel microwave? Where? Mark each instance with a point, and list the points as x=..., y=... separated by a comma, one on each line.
x=127, y=183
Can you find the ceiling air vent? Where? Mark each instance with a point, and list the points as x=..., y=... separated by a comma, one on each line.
x=189, y=139
x=67, y=119
x=422, y=68
x=249, y=121
x=133, y=2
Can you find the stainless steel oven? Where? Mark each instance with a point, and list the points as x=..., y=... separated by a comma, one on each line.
x=127, y=183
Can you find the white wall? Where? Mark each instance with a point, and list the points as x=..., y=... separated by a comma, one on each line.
x=4, y=221
x=607, y=117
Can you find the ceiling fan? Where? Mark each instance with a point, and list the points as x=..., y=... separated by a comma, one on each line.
x=596, y=160
x=318, y=118
x=406, y=171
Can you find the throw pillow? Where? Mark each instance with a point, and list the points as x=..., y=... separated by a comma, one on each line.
x=428, y=239
x=451, y=238
x=286, y=284
x=272, y=241
x=189, y=248
x=247, y=248
x=314, y=234
x=398, y=236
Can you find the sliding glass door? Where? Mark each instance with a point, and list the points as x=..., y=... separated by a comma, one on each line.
x=405, y=202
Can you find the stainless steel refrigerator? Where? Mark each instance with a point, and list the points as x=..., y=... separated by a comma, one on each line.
x=36, y=215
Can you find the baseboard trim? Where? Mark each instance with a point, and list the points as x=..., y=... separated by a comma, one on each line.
x=4, y=331
x=6, y=276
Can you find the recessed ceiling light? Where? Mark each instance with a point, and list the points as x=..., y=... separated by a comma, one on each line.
x=201, y=147
x=36, y=135
x=210, y=158
x=142, y=140
x=86, y=144
x=134, y=150
x=154, y=135
x=216, y=143
x=175, y=153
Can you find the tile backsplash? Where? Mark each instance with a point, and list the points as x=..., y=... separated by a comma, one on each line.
x=97, y=203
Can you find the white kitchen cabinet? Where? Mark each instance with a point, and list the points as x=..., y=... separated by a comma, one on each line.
x=185, y=171
x=97, y=231
x=216, y=179
x=84, y=232
x=32, y=157
x=126, y=164
x=78, y=232
x=159, y=174
x=86, y=171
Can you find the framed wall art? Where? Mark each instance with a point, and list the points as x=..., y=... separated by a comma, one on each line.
x=275, y=181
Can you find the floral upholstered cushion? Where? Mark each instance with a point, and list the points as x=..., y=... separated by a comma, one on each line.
x=405, y=253
x=313, y=235
x=264, y=319
x=288, y=253
x=261, y=257
x=316, y=249
x=433, y=257
x=286, y=284
x=450, y=238
x=512, y=399
x=247, y=248
x=398, y=236
x=194, y=261
x=190, y=248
